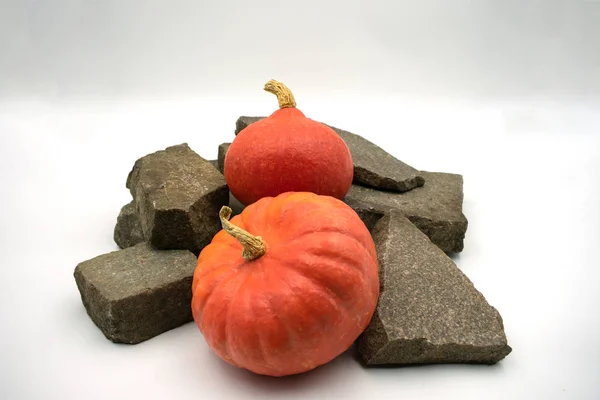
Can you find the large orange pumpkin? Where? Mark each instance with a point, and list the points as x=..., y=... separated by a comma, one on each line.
x=287, y=285
x=287, y=152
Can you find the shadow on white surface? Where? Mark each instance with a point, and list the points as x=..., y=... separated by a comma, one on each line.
x=281, y=385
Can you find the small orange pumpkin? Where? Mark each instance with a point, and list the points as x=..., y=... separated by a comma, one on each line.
x=287, y=285
x=287, y=152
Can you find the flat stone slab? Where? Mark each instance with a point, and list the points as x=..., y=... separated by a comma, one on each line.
x=178, y=195
x=428, y=312
x=137, y=293
x=373, y=166
x=435, y=208
x=128, y=230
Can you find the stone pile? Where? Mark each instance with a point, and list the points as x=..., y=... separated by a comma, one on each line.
x=144, y=289
x=428, y=311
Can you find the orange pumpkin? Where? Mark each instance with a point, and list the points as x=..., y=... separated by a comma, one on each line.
x=287, y=152
x=287, y=285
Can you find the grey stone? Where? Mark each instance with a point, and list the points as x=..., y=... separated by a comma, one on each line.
x=369, y=215
x=215, y=163
x=235, y=205
x=137, y=293
x=128, y=230
x=435, y=208
x=243, y=121
x=428, y=311
x=373, y=166
x=223, y=147
x=178, y=195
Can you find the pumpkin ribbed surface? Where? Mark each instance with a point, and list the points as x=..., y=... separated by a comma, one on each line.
x=300, y=304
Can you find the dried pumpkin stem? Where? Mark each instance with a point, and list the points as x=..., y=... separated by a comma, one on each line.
x=254, y=247
x=284, y=95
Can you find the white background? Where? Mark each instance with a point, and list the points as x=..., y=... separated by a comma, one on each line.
x=506, y=93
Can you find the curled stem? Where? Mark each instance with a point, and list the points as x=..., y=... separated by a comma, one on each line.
x=254, y=247
x=285, y=98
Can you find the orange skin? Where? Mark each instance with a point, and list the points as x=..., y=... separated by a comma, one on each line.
x=302, y=303
x=287, y=152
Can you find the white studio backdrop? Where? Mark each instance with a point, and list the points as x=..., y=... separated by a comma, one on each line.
x=506, y=93
x=171, y=48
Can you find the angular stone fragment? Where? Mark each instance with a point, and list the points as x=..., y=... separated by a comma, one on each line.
x=243, y=121
x=178, y=195
x=215, y=163
x=235, y=205
x=223, y=147
x=128, y=230
x=428, y=311
x=368, y=214
x=137, y=293
x=435, y=208
x=373, y=166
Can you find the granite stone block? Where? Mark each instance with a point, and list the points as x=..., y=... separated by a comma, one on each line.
x=137, y=293
x=178, y=195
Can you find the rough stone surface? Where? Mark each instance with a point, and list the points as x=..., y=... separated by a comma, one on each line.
x=178, y=195
x=222, y=151
x=376, y=168
x=368, y=214
x=128, y=230
x=244, y=121
x=373, y=166
x=215, y=163
x=428, y=311
x=137, y=293
x=235, y=205
x=435, y=208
